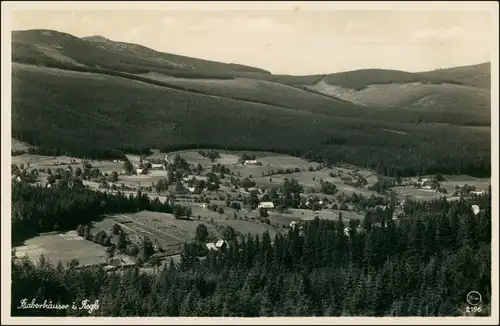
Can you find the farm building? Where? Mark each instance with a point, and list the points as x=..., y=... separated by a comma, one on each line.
x=191, y=189
x=219, y=244
x=293, y=224
x=155, y=166
x=476, y=209
x=426, y=187
x=266, y=205
x=477, y=193
x=139, y=171
x=251, y=162
x=211, y=246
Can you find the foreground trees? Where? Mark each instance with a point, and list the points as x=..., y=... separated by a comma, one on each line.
x=422, y=265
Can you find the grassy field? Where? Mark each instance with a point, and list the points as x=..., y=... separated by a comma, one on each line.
x=252, y=227
x=415, y=96
x=449, y=184
x=305, y=214
x=63, y=247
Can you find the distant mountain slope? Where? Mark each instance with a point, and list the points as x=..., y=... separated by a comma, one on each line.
x=360, y=79
x=92, y=94
x=261, y=91
x=52, y=47
x=449, y=98
x=171, y=60
x=474, y=75
x=83, y=113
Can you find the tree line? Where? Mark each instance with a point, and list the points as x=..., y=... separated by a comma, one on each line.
x=37, y=209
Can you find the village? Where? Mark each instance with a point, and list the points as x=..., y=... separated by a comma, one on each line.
x=228, y=193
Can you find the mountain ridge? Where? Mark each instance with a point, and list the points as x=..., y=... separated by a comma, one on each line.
x=102, y=39
x=81, y=96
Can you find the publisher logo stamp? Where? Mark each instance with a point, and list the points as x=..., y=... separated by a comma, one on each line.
x=474, y=298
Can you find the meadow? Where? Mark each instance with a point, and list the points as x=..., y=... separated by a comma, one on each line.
x=62, y=247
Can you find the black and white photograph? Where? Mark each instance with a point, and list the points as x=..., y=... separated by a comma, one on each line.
x=250, y=161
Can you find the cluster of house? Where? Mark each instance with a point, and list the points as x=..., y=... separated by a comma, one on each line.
x=425, y=184
x=310, y=201
x=186, y=178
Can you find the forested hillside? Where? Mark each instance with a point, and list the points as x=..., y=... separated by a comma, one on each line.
x=422, y=265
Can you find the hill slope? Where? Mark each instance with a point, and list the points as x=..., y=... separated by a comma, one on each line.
x=80, y=96
x=170, y=60
x=474, y=75
x=47, y=46
x=445, y=98
x=80, y=113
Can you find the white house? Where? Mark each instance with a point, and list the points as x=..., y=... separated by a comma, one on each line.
x=251, y=162
x=191, y=189
x=266, y=205
x=139, y=171
x=219, y=244
x=476, y=209
x=157, y=166
x=211, y=246
x=477, y=193
x=427, y=187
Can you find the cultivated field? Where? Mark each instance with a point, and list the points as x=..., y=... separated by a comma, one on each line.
x=163, y=229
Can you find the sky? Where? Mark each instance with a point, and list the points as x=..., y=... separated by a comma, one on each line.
x=296, y=42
